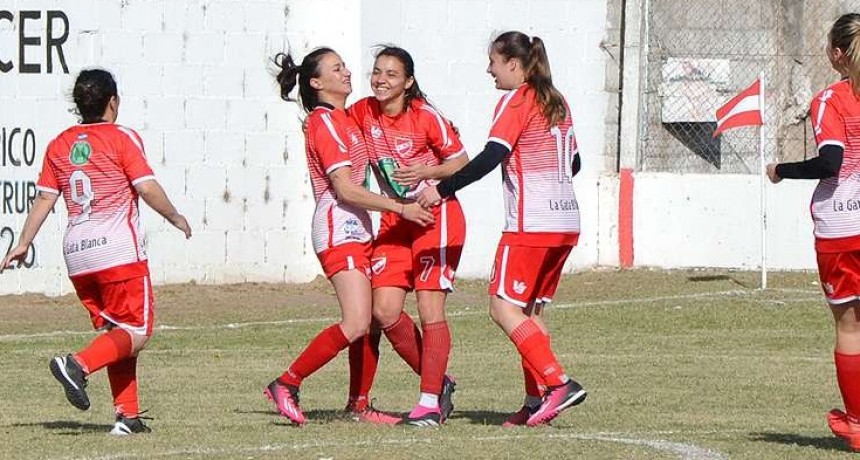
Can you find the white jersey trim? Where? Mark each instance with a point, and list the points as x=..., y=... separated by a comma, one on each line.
x=336, y=166
x=831, y=142
x=131, y=135
x=47, y=190
x=142, y=179
x=326, y=118
x=501, y=141
x=505, y=100
x=445, y=140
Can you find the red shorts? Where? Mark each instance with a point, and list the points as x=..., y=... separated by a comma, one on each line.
x=347, y=256
x=840, y=276
x=423, y=258
x=525, y=274
x=128, y=304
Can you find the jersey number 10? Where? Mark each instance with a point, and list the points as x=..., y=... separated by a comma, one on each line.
x=565, y=145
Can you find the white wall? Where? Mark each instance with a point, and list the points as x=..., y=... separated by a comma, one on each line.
x=714, y=221
x=194, y=81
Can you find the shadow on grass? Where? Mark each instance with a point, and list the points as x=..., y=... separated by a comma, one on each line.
x=709, y=278
x=819, y=442
x=68, y=427
x=481, y=417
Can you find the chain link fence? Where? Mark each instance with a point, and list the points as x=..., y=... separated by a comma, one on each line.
x=700, y=53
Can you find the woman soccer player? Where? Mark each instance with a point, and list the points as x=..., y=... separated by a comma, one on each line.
x=337, y=160
x=100, y=169
x=532, y=136
x=836, y=122
x=413, y=146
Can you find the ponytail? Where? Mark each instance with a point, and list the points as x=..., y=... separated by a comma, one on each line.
x=539, y=77
x=291, y=74
x=532, y=54
x=845, y=35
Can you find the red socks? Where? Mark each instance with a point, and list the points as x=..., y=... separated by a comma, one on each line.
x=406, y=341
x=322, y=349
x=532, y=380
x=363, y=360
x=434, y=359
x=534, y=347
x=123, y=386
x=848, y=376
x=109, y=348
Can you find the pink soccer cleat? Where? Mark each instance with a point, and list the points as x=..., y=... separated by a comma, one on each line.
x=844, y=427
x=556, y=400
x=286, y=399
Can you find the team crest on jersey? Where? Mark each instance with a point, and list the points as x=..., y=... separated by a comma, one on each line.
x=375, y=132
x=80, y=153
x=353, y=138
x=378, y=264
x=352, y=228
x=403, y=146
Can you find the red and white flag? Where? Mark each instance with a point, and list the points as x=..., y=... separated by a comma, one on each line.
x=743, y=110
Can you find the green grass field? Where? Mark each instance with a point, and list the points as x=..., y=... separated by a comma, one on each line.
x=679, y=365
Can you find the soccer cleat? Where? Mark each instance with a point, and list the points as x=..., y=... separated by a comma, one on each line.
x=125, y=426
x=844, y=427
x=70, y=374
x=446, y=402
x=519, y=417
x=555, y=400
x=376, y=417
x=286, y=399
x=423, y=417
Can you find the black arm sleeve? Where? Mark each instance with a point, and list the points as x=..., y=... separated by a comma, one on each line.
x=577, y=164
x=825, y=165
x=486, y=161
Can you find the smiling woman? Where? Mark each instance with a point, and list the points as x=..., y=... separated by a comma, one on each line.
x=412, y=146
x=341, y=230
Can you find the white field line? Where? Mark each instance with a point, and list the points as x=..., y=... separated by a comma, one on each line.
x=682, y=451
x=453, y=314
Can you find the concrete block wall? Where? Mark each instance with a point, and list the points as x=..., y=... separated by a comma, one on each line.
x=195, y=81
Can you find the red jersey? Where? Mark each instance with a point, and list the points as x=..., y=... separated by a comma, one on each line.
x=420, y=135
x=332, y=141
x=540, y=206
x=95, y=167
x=836, y=201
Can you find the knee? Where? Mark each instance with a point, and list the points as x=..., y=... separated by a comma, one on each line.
x=356, y=327
x=386, y=315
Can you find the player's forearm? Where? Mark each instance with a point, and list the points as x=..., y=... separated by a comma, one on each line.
x=358, y=196
x=447, y=168
x=42, y=205
x=155, y=197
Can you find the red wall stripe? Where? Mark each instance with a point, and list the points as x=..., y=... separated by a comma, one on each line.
x=625, y=219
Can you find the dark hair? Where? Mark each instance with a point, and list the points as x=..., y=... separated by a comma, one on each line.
x=532, y=54
x=403, y=56
x=91, y=94
x=290, y=72
x=845, y=35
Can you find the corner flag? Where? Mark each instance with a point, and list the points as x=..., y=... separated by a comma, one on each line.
x=743, y=110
